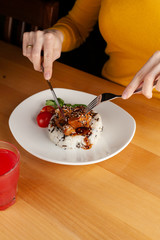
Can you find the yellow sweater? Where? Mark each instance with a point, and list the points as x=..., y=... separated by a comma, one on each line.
x=130, y=28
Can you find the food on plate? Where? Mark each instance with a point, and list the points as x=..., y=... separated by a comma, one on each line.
x=77, y=130
x=44, y=116
x=80, y=130
x=43, y=119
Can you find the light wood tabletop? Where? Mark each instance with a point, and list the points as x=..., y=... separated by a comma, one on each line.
x=117, y=199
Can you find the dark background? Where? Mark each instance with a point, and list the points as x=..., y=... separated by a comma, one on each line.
x=89, y=57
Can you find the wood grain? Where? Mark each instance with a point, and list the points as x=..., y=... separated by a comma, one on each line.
x=118, y=199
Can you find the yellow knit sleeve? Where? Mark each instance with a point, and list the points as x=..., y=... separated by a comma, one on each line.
x=79, y=22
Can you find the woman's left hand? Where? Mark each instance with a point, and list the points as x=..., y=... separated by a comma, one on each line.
x=145, y=78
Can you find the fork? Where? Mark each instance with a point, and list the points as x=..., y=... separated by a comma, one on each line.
x=107, y=96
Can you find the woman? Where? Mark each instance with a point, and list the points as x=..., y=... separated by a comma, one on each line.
x=130, y=29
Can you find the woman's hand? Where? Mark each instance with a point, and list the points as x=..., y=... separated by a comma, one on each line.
x=145, y=78
x=50, y=41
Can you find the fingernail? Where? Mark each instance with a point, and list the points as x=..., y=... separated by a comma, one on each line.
x=124, y=95
x=47, y=76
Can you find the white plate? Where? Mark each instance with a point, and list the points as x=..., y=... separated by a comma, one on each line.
x=119, y=129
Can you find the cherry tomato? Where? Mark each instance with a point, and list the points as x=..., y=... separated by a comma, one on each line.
x=48, y=109
x=43, y=119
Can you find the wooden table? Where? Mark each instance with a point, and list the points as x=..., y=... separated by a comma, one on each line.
x=117, y=199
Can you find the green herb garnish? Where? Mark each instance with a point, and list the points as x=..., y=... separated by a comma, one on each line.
x=53, y=103
x=78, y=105
x=61, y=102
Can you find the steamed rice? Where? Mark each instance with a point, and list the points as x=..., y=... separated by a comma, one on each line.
x=80, y=137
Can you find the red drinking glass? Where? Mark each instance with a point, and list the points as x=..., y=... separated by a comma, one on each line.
x=9, y=174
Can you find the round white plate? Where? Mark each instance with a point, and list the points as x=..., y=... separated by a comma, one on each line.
x=119, y=129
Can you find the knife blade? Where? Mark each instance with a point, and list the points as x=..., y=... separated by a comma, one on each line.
x=54, y=95
x=55, y=98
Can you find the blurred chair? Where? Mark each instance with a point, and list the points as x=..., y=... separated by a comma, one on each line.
x=18, y=16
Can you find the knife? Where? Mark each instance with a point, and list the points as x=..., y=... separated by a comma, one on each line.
x=54, y=95
x=55, y=98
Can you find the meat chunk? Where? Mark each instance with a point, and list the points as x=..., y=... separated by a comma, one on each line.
x=80, y=121
x=68, y=130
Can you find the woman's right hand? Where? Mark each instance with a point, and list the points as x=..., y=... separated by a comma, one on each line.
x=50, y=41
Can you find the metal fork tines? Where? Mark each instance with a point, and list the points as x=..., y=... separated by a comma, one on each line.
x=101, y=98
